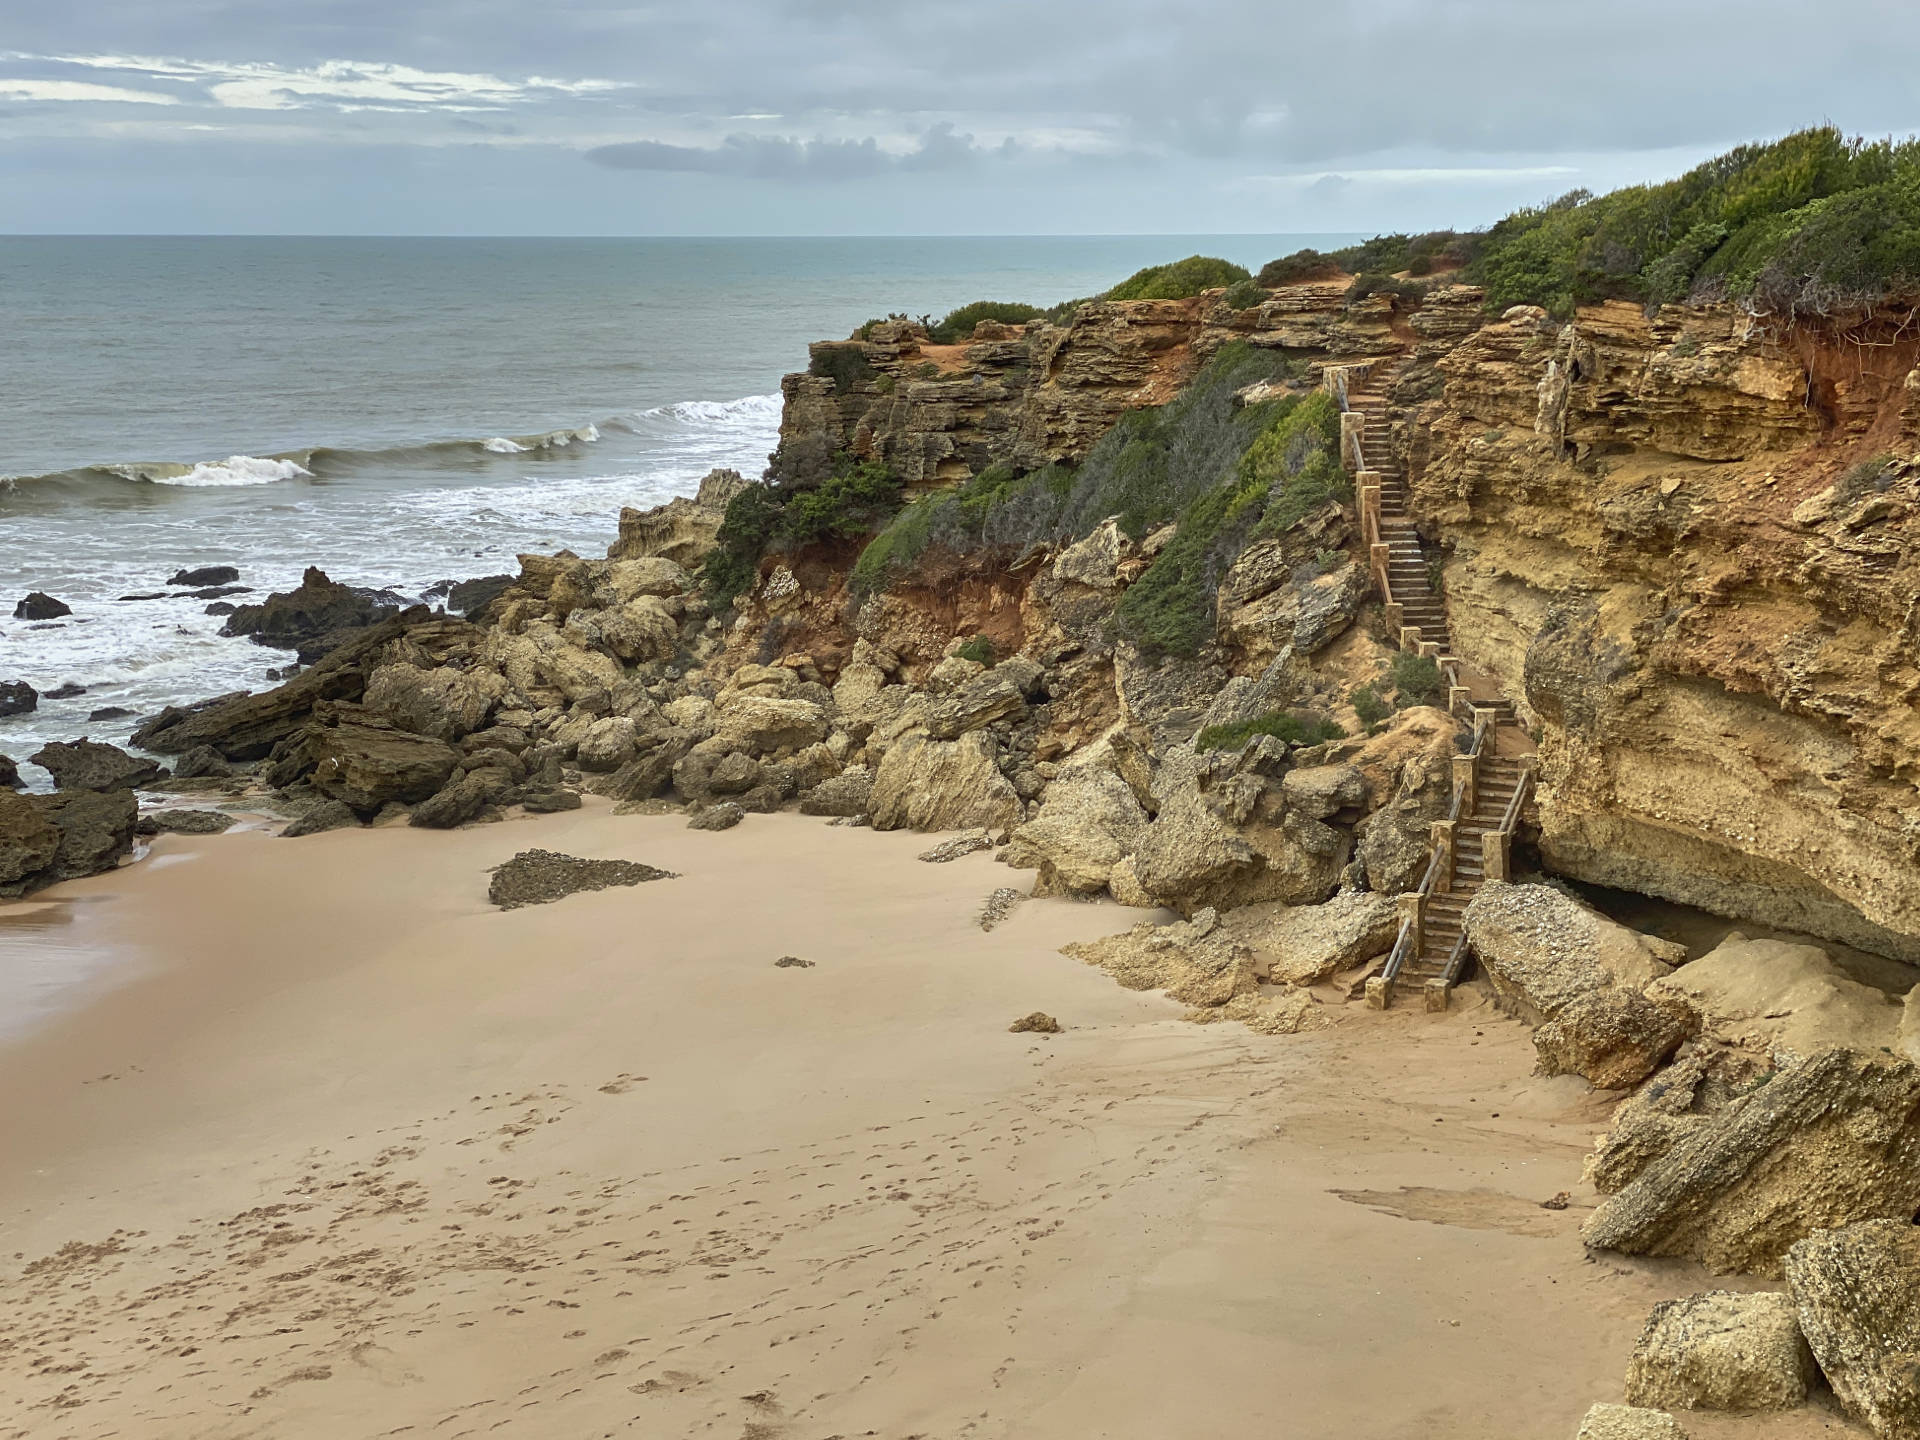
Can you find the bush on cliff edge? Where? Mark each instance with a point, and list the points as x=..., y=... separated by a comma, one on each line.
x=857, y=498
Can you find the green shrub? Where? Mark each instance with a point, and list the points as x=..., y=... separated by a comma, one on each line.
x=978, y=649
x=1180, y=280
x=1416, y=680
x=997, y=509
x=1811, y=222
x=957, y=325
x=1245, y=294
x=1368, y=705
x=1300, y=266
x=1379, y=282
x=1299, y=460
x=1863, y=479
x=1298, y=728
x=844, y=362
x=855, y=499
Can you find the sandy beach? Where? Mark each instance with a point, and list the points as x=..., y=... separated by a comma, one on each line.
x=349, y=1153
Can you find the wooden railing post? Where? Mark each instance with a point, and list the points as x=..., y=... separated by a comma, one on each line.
x=1352, y=425
x=1396, y=616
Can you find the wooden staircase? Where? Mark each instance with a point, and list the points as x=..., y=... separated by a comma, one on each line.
x=1473, y=844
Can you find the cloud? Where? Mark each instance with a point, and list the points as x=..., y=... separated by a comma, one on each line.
x=772, y=157
x=79, y=90
x=345, y=85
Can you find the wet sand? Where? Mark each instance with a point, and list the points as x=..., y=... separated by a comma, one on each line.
x=353, y=1154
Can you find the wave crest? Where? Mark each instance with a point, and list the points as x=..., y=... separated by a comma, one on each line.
x=234, y=470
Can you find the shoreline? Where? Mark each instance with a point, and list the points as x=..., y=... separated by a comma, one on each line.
x=363, y=1153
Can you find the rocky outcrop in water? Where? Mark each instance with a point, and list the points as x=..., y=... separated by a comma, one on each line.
x=45, y=839
x=313, y=618
x=40, y=606
x=18, y=698
x=85, y=764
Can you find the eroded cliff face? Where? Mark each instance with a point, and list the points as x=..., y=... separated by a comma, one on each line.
x=1662, y=537
x=1034, y=395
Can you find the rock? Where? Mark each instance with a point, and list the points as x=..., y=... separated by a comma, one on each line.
x=327, y=815
x=999, y=905
x=641, y=630
x=1222, y=836
x=548, y=667
x=927, y=784
x=28, y=843
x=471, y=597
x=996, y=695
x=1306, y=944
x=792, y=962
x=1651, y=1121
x=1322, y=791
x=183, y=822
x=17, y=698
x=1195, y=961
x=366, y=762
x=1094, y=560
x=536, y=877
x=291, y=619
x=96, y=829
x=38, y=605
x=954, y=849
x=89, y=765
x=1287, y=1013
x=443, y=703
x=1782, y=1001
x=1829, y=1141
x=1089, y=821
x=626, y=580
x=1721, y=1351
x=1542, y=949
x=206, y=575
x=763, y=724
x=848, y=793
x=723, y=816
x=658, y=754
x=464, y=799
x=1856, y=1290
x=683, y=529
x=607, y=745
x=1627, y=1422
x=1615, y=1037
x=10, y=775
x=547, y=802
x=733, y=774
x=202, y=760
x=72, y=690
x=1038, y=1023
x=109, y=712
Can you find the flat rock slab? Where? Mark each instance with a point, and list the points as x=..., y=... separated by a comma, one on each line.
x=536, y=877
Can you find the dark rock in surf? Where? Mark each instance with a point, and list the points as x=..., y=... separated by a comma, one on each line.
x=9, y=775
x=220, y=607
x=199, y=762
x=41, y=606
x=183, y=822
x=110, y=712
x=69, y=691
x=215, y=592
x=18, y=698
x=470, y=597
x=291, y=619
x=86, y=764
x=206, y=575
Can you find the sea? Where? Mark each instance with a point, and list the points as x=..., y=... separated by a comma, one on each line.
x=402, y=412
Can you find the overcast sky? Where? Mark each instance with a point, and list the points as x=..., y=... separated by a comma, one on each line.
x=898, y=116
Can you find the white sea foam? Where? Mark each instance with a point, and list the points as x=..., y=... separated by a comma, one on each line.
x=234, y=470
x=501, y=445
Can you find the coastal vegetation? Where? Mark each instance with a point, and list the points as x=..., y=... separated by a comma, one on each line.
x=855, y=499
x=1296, y=727
x=958, y=325
x=1179, y=280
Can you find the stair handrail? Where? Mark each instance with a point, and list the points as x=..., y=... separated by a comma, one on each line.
x=1510, y=820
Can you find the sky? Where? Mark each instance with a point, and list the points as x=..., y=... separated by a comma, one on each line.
x=878, y=117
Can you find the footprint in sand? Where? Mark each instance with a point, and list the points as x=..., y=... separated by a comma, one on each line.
x=622, y=1083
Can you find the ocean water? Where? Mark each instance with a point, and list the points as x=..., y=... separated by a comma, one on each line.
x=401, y=412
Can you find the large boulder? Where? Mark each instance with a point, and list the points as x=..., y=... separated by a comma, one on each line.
x=1223, y=834
x=1613, y=1037
x=1629, y=1422
x=607, y=745
x=642, y=629
x=1198, y=962
x=10, y=774
x=847, y=794
x=18, y=698
x=1542, y=949
x=619, y=581
x=928, y=784
x=365, y=762
x=1724, y=1350
x=38, y=605
x=547, y=666
x=1781, y=1000
x=464, y=799
x=290, y=619
x=764, y=724
x=999, y=694
x=1089, y=821
x=85, y=764
x=657, y=754
x=28, y=841
x=683, y=529
x=444, y=703
x=1827, y=1142
x=1306, y=944
x=1857, y=1294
